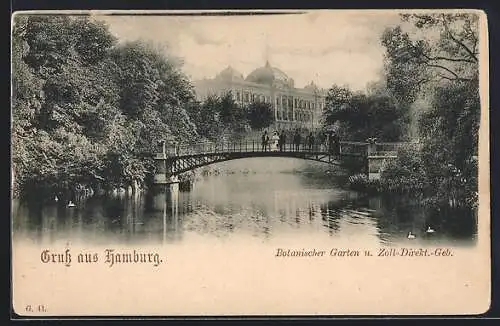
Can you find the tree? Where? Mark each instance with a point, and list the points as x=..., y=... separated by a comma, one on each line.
x=217, y=116
x=154, y=96
x=336, y=102
x=360, y=116
x=206, y=116
x=86, y=110
x=444, y=69
x=231, y=114
x=259, y=115
x=53, y=92
x=450, y=52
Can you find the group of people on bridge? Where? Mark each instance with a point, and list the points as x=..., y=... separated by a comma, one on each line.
x=278, y=142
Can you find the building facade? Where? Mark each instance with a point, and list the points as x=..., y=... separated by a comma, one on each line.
x=292, y=107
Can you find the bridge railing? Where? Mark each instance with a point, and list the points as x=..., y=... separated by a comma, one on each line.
x=391, y=149
x=244, y=146
x=353, y=148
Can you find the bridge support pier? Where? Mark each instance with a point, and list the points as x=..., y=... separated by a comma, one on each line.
x=376, y=160
x=160, y=158
x=164, y=196
x=163, y=174
x=375, y=166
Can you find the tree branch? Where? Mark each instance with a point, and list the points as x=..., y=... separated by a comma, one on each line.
x=454, y=79
x=444, y=68
x=421, y=81
x=449, y=59
x=471, y=54
x=470, y=32
x=445, y=77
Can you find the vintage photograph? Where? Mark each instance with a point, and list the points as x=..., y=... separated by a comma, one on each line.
x=264, y=162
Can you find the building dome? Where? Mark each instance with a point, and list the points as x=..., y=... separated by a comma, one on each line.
x=312, y=87
x=269, y=75
x=230, y=74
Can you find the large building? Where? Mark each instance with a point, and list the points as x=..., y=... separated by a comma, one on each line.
x=293, y=107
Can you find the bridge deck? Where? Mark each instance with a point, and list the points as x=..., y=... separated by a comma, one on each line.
x=177, y=159
x=253, y=146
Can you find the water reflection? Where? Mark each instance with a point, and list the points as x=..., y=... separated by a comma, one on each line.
x=264, y=206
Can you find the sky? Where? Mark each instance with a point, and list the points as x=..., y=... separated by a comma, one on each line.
x=326, y=47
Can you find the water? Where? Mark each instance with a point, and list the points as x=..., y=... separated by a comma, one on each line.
x=270, y=200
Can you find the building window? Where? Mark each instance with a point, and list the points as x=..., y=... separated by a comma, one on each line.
x=279, y=114
x=246, y=97
x=238, y=96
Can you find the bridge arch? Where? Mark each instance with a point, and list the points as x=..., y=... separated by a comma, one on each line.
x=214, y=160
x=182, y=160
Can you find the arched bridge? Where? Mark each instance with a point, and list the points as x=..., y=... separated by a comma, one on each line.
x=177, y=159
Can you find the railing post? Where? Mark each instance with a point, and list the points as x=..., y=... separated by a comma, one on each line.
x=253, y=145
x=372, y=146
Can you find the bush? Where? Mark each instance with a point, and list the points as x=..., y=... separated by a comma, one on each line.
x=404, y=174
x=360, y=182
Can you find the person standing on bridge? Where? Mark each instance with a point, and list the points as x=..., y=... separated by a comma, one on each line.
x=296, y=140
x=265, y=141
x=276, y=142
x=282, y=141
x=330, y=144
x=310, y=140
x=336, y=143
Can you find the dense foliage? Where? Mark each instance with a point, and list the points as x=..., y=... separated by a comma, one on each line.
x=259, y=115
x=443, y=70
x=361, y=116
x=87, y=110
x=218, y=116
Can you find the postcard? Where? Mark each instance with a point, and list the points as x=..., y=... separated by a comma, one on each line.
x=250, y=163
